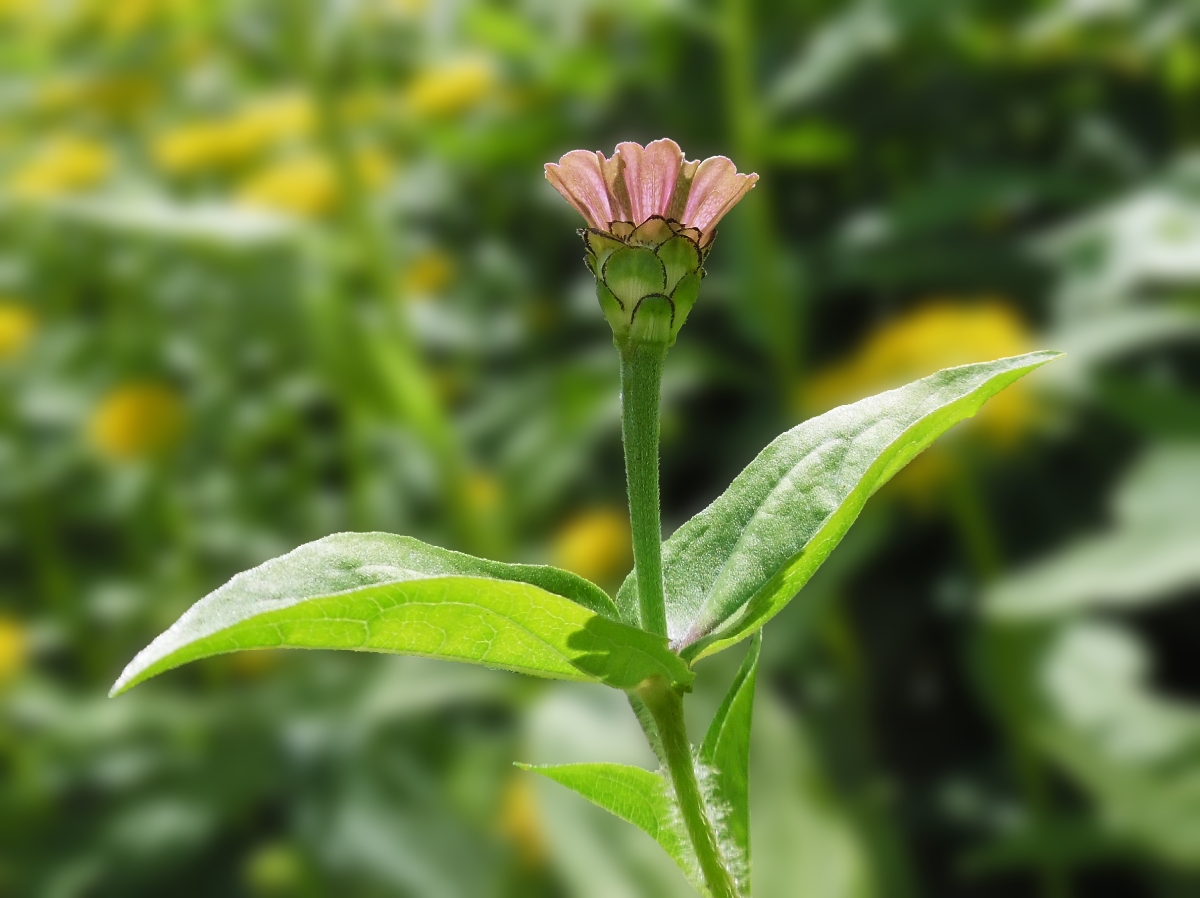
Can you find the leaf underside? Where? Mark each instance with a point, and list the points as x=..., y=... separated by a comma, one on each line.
x=637, y=796
x=737, y=563
x=384, y=593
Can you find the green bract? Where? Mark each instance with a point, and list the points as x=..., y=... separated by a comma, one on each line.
x=648, y=277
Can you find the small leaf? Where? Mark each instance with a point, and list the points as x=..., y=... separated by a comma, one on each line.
x=726, y=749
x=737, y=563
x=636, y=796
x=384, y=593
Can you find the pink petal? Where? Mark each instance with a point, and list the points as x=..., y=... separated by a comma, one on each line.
x=650, y=176
x=578, y=177
x=618, y=196
x=716, y=189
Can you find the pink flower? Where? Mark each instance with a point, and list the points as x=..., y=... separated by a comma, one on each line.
x=639, y=183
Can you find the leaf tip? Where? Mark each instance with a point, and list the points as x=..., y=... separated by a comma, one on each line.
x=126, y=681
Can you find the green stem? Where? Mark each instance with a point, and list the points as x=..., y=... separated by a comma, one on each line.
x=666, y=706
x=641, y=388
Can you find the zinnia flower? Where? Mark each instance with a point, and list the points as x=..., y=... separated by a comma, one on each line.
x=651, y=217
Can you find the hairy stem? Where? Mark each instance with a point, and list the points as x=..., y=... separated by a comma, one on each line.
x=641, y=387
x=666, y=705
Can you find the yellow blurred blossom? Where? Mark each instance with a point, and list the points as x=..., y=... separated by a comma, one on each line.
x=519, y=820
x=137, y=420
x=121, y=18
x=19, y=11
x=428, y=275
x=938, y=334
x=451, y=88
x=595, y=545
x=17, y=325
x=14, y=648
x=114, y=94
x=65, y=165
x=234, y=139
x=307, y=185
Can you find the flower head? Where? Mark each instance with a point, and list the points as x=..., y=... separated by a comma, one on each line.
x=652, y=217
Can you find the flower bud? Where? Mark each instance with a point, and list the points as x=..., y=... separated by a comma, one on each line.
x=652, y=218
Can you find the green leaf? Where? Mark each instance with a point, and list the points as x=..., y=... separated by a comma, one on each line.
x=384, y=593
x=737, y=563
x=726, y=749
x=636, y=796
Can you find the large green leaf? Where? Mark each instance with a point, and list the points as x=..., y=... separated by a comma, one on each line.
x=726, y=751
x=384, y=593
x=636, y=796
x=735, y=564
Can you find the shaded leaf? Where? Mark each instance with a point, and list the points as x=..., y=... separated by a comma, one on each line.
x=737, y=563
x=726, y=749
x=385, y=593
x=636, y=796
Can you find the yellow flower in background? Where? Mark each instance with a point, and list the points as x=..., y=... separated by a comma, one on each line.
x=136, y=421
x=17, y=326
x=307, y=185
x=595, y=545
x=114, y=94
x=234, y=139
x=939, y=334
x=14, y=649
x=428, y=275
x=121, y=18
x=19, y=11
x=519, y=820
x=63, y=166
x=276, y=119
x=451, y=88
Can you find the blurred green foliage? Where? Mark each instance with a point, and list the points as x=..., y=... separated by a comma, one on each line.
x=270, y=270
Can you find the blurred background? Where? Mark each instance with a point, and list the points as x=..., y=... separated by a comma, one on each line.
x=273, y=269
